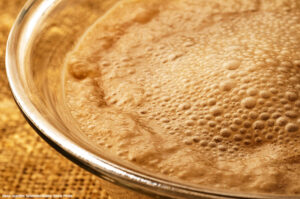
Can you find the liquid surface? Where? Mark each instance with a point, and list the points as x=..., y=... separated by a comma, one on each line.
x=202, y=91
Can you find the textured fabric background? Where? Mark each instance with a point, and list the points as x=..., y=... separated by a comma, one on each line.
x=28, y=165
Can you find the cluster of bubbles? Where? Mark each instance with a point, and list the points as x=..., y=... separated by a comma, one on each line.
x=220, y=90
x=225, y=106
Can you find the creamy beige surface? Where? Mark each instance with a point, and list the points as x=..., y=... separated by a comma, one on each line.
x=203, y=91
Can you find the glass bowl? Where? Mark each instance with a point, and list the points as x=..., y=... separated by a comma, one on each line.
x=43, y=33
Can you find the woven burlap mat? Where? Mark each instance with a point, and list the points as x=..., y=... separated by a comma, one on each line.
x=28, y=165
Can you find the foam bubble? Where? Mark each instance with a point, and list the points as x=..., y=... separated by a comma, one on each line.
x=143, y=15
x=258, y=140
x=237, y=121
x=189, y=122
x=212, y=123
x=258, y=124
x=265, y=94
x=201, y=122
x=212, y=101
x=291, y=127
x=222, y=147
x=252, y=91
x=292, y=96
x=291, y=114
x=232, y=64
x=296, y=63
x=264, y=116
x=225, y=132
x=281, y=121
x=249, y=102
x=217, y=138
x=203, y=143
x=238, y=137
x=185, y=106
x=216, y=111
x=269, y=136
x=227, y=85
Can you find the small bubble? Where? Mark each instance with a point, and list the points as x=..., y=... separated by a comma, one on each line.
x=201, y=122
x=212, y=101
x=225, y=132
x=212, y=123
x=166, y=98
x=244, y=116
x=248, y=136
x=286, y=63
x=252, y=91
x=237, y=121
x=265, y=94
x=271, y=122
x=208, y=117
x=143, y=111
x=148, y=94
x=291, y=127
x=188, y=133
x=219, y=119
x=249, y=102
x=234, y=127
x=291, y=114
x=185, y=106
x=196, y=139
x=287, y=106
x=264, y=116
x=247, y=124
x=243, y=130
x=216, y=111
x=269, y=136
x=212, y=144
x=281, y=121
x=131, y=71
x=189, y=122
x=173, y=57
x=168, y=127
x=188, y=141
x=232, y=64
x=271, y=62
x=165, y=120
x=258, y=124
x=296, y=63
x=105, y=63
x=253, y=115
x=274, y=90
x=237, y=137
x=247, y=142
x=203, y=143
x=222, y=147
x=193, y=117
x=217, y=138
x=283, y=101
x=292, y=96
x=258, y=140
x=188, y=44
x=261, y=101
x=297, y=103
x=276, y=115
x=227, y=85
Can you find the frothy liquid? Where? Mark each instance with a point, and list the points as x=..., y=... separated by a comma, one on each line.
x=204, y=91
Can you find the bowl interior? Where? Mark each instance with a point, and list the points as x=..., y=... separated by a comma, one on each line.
x=43, y=34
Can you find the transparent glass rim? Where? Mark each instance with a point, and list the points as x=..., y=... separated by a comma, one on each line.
x=85, y=159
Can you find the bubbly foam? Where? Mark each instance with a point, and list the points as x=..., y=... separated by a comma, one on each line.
x=195, y=92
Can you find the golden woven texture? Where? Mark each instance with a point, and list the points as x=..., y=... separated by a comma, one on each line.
x=27, y=164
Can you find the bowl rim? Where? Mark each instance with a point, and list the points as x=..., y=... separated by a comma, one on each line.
x=100, y=167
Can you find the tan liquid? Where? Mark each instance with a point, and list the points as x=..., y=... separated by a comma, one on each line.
x=204, y=91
